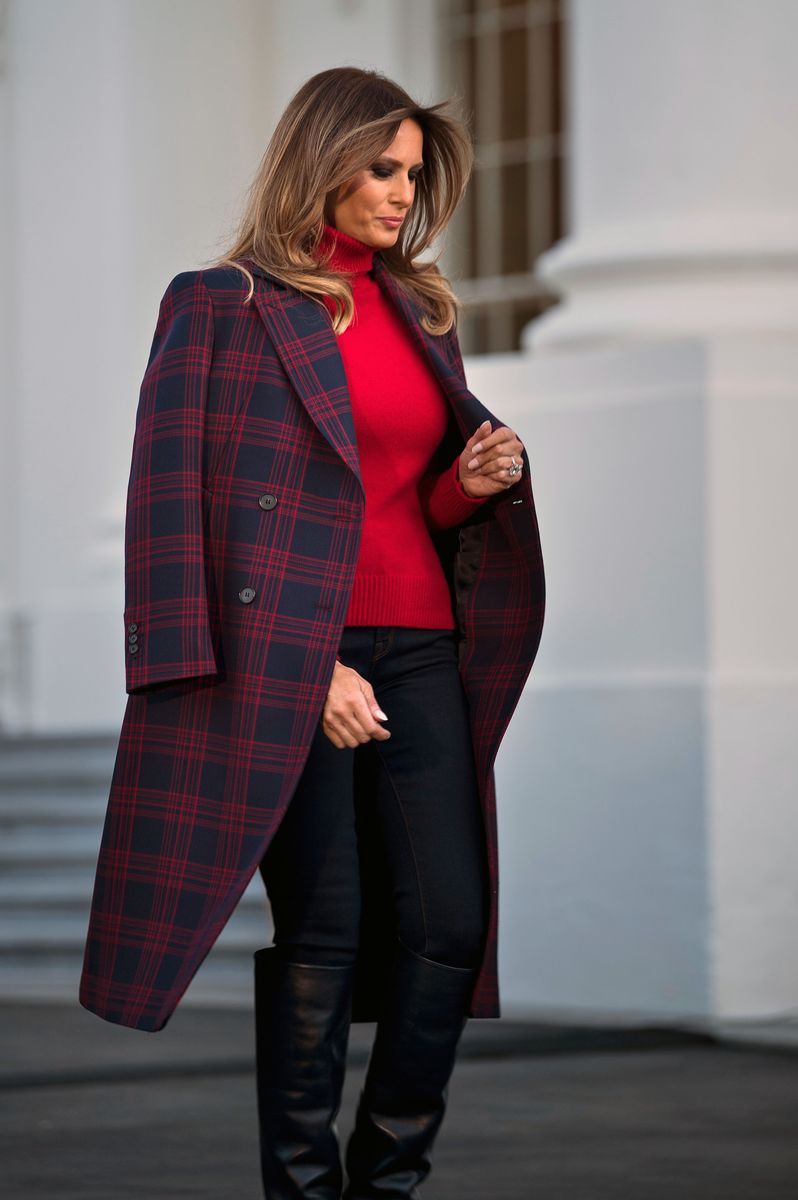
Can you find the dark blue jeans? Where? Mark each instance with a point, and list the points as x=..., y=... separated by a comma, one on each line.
x=417, y=789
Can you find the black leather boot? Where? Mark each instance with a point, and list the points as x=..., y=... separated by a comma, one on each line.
x=302, y=1020
x=404, y=1095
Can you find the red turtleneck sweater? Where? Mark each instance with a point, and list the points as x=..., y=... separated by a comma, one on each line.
x=400, y=415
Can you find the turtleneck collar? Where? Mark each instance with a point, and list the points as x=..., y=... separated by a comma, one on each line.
x=349, y=254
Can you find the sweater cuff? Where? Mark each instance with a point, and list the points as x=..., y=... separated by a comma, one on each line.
x=445, y=500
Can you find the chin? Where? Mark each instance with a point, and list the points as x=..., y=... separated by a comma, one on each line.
x=386, y=234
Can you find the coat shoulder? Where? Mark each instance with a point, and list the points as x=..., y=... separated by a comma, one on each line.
x=220, y=293
x=224, y=279
x=212, y=280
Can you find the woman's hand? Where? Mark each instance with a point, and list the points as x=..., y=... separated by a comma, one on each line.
x=491, y=455
x=350, y=709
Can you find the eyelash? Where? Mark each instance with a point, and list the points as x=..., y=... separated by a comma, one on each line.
x=387, y=171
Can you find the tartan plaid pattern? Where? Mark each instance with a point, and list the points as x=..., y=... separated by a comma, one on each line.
x=243, y=518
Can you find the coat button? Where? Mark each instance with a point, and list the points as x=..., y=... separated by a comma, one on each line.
x=132, y=627
x=267, y=501
x=132, y=637
x=133, y=648
x=246, y=594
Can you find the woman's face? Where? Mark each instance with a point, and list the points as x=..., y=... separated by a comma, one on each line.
x=386, y=189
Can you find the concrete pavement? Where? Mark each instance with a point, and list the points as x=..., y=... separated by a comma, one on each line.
x=536, y=1112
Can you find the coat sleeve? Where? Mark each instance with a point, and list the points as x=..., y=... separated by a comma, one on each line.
x=167, y=629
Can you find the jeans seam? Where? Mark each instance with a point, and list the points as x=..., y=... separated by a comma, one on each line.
x=419, y=888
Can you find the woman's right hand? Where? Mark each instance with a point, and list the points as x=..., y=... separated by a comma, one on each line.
x=350, y=710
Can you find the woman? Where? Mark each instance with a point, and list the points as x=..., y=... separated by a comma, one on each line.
x=334, y=596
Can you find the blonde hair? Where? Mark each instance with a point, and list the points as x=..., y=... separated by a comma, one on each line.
x=338, y=123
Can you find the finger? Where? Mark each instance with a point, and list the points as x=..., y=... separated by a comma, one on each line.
x=506, y=450
x=333, y=735
x=340, y=718
x=375, y=713
x=481, y=432
x=507, y=445
x=365, y=726
x=350, y=726
x=499, y=466
x=347, y=737
x=491, y=452
x=500, y=434
x=503, y=460
x=349, y=741
x=354, y=710
x=373, y=703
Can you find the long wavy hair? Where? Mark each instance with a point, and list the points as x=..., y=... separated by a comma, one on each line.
x=337, y=124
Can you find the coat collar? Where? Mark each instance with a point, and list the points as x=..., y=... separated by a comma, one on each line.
x=303, y=337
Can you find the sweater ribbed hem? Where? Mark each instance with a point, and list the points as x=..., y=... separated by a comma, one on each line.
x=417, y=601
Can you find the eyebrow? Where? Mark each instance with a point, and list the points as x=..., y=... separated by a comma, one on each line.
x=394, y=162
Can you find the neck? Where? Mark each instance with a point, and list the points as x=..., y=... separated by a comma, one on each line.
x=349, y=254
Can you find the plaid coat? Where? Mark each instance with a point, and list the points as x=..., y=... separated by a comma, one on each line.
x=244, y=512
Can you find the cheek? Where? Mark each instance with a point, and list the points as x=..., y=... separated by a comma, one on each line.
x=354, y=194
x=371, y=192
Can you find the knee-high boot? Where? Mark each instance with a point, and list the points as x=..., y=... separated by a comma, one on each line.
x=302, y=1021
x=404, y=1095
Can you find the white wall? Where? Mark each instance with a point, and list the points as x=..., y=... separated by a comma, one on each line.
x=131, y=129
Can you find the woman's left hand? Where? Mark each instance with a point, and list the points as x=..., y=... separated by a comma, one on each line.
x=492, y=454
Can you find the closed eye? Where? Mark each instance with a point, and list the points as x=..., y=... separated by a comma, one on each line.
x=386, y=172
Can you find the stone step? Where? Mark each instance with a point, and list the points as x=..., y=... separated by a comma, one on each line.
x=53, y=797
x=50, y=845
x=61, y=761
x=36, y=807
x=26, y=934
x=61, y=889
x=223, y=980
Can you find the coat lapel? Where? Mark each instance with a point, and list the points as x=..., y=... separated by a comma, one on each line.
x=306, y=345
x=304, y=340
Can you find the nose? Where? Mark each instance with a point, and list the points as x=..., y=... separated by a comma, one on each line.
x=404, y=193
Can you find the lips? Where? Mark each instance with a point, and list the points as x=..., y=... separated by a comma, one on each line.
x=391, y=220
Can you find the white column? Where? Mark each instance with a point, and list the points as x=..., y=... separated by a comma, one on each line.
x=683, y=173
x=655, y=828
